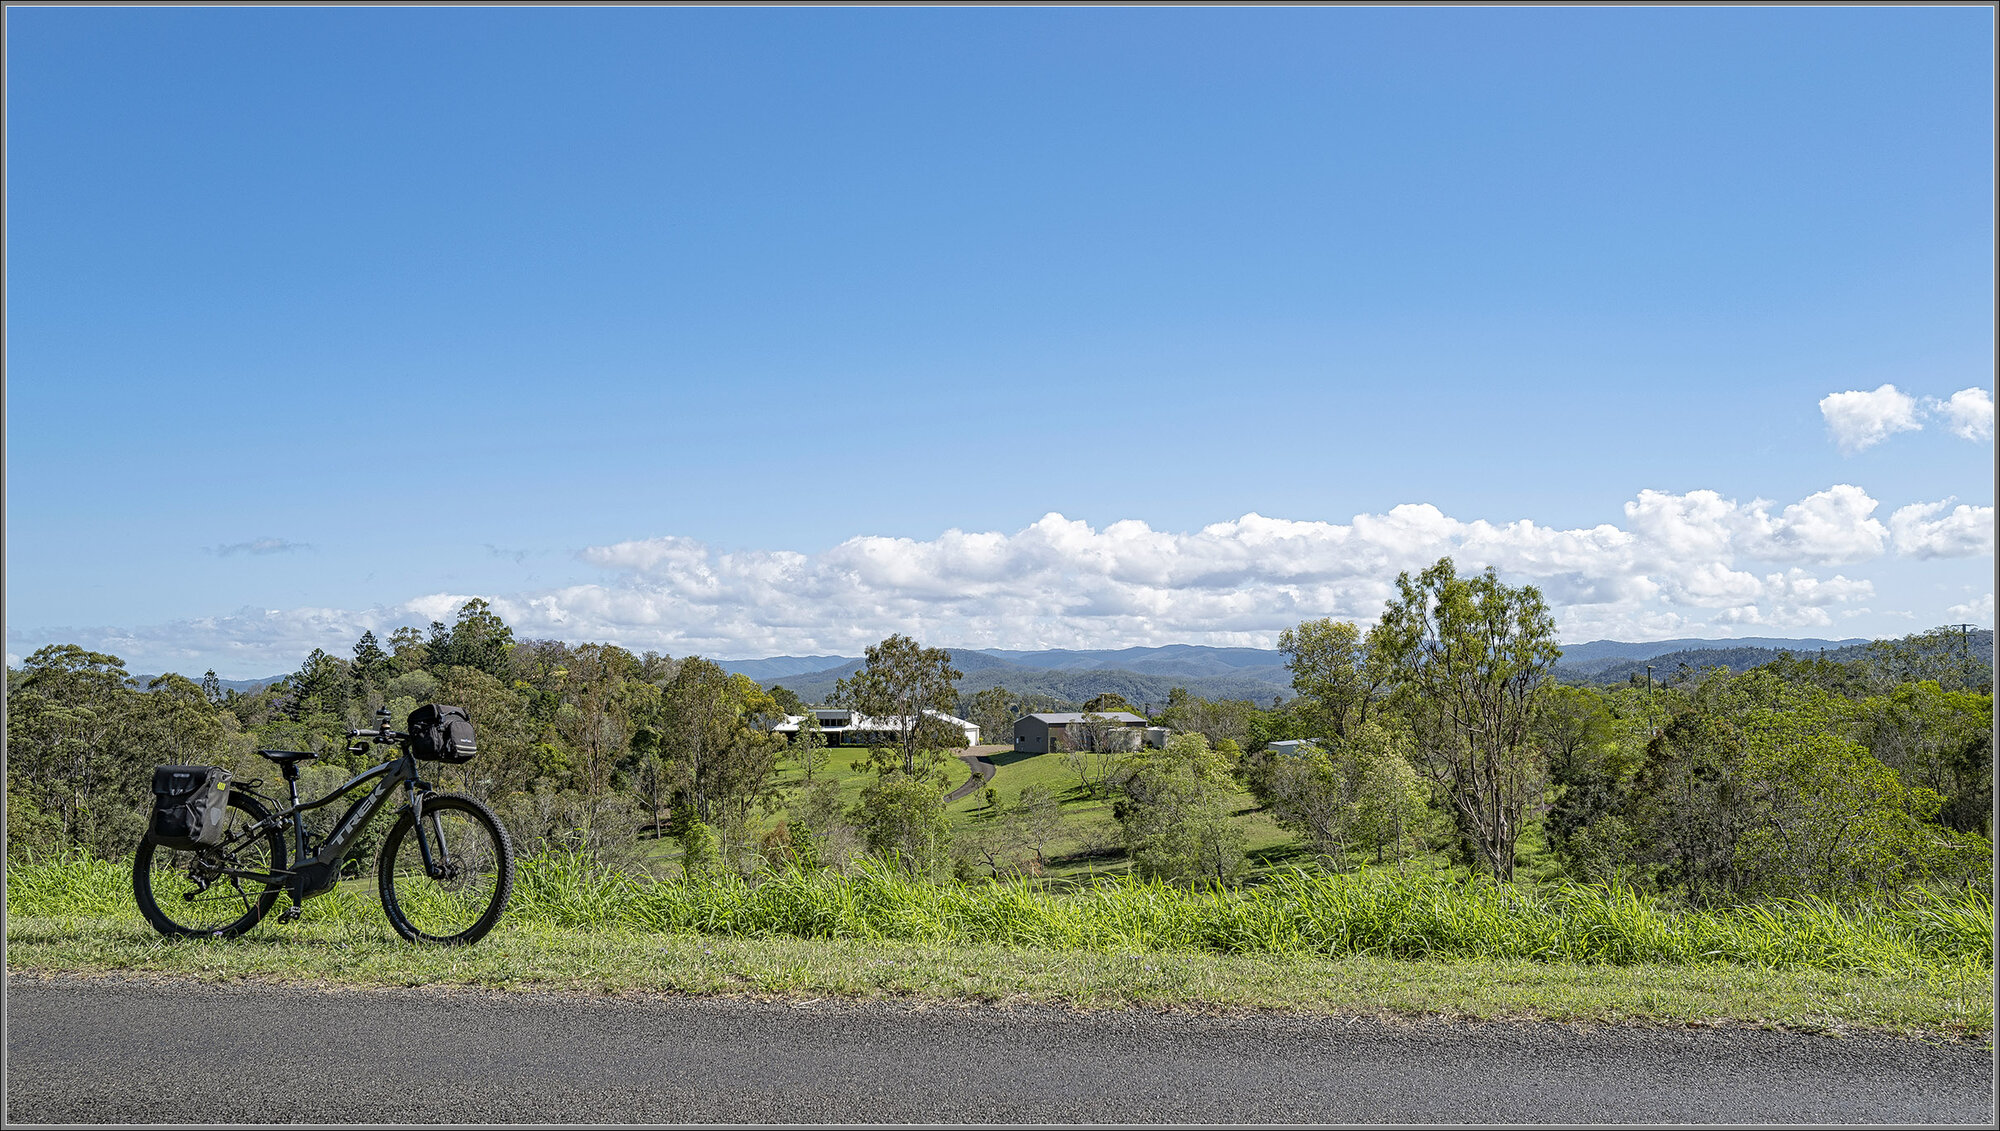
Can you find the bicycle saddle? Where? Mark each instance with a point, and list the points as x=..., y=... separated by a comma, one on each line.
x=287, y=757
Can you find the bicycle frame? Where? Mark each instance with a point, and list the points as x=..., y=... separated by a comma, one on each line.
x=316, y=874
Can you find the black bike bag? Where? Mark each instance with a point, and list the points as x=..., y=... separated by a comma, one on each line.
x=441, y=734
x=190, y=806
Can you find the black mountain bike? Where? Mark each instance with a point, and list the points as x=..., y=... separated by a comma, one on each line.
x=445, y=871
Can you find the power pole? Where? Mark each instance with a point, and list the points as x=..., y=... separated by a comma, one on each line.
x=1964, y=639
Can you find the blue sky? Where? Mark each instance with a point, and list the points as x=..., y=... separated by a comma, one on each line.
x=750, y=332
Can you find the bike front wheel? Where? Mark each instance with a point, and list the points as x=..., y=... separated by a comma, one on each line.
x=217, y=892
x=458, y=896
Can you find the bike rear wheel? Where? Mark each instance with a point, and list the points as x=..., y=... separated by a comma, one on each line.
x=217, y=892
x=474, y=872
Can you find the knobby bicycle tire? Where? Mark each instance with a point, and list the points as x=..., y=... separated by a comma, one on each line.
x=191, y=894
x=461, y=906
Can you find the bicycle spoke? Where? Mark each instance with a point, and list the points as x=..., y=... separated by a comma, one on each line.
x=472, y=877
x=202, y=892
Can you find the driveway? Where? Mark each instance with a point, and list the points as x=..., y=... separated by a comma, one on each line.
x=982, y=770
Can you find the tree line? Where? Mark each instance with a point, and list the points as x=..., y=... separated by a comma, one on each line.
x=1440, y=726
x=1439, y=732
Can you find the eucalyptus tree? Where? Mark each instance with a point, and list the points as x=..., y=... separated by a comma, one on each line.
x=595, y=719
x=901, y=681
x=808, y=747
x=722, y=765
x=1755, y=787
x=1173, y=811
x=1940, y=740
x=1334, y=674
x=407, y=650
x=1108, y=702
x=1093, y=746
x=995, y=709
x=505, y=762
x=1469, y=659
x=788, y=701
x=69, y=711
x=1218, y=720
x=1346, y=795
x=479, y=639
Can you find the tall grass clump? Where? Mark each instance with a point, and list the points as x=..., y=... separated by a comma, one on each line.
x=1299, y=912
x=79, y=885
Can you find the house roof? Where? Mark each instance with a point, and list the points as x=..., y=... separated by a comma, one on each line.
x=858, y=721
x=1064, y=717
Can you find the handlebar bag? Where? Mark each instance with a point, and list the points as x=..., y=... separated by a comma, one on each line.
x=190, y=806
x=441, y=734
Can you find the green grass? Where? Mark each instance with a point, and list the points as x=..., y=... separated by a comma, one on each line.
x=791, y=782
x=1087, y=847
x=1084, y=850
x=1374, y=944
x=343, y=951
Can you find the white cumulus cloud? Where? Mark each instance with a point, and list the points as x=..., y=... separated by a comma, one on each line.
x=1828, y=527
x=1680, y=561
x=1694, y=563
x=1979, y=611
x=1860, y=420
x=1969, y=414
x=1926, y=530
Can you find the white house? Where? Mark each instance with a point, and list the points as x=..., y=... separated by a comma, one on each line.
x=1292, y=745
x=842, y=727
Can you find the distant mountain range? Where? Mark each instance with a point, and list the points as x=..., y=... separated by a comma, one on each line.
x=1620, y=650
x=1145, y=675
x=1141, y=675
x=778, y=667
x=1736, y=655
x=246, y=686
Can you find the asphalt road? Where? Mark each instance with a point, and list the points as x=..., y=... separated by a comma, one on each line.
x=138, y=1051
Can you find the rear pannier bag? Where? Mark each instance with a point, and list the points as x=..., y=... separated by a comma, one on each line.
x=441, y=734
x=190, y=806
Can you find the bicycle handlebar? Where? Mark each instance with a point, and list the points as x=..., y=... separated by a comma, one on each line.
x=382, y=735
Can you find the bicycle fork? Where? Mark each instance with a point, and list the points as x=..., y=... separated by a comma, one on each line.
x=437, y=863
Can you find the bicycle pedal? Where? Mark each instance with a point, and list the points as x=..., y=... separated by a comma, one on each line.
x=291, y=914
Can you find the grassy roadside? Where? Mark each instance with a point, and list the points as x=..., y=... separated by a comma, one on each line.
x=1385, y=946
x=355, y=950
